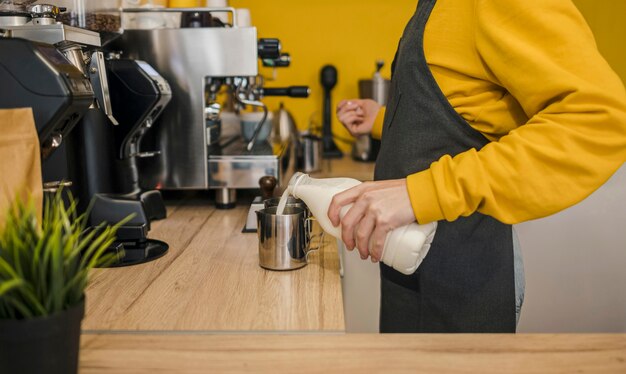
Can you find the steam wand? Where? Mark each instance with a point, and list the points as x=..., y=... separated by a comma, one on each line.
x=239, y=96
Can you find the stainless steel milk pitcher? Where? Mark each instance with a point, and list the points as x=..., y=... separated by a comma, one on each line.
x=283, y=239
x=292, y=202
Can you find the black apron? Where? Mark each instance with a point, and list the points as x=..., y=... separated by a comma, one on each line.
x=466, y=282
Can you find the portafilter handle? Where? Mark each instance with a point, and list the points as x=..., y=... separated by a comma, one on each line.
x=301, y=92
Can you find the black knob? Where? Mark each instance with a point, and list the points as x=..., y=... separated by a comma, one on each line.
x=328, y=77
x=267, y=185
x=269, y=49
x=379, y=65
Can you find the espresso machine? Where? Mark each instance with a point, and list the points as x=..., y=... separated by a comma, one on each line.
x=85, y=150
x=203, y=60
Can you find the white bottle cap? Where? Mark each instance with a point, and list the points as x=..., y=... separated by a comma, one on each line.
x=244, y=19
x=218, y=4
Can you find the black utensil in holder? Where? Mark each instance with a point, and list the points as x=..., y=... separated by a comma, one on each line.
x=328, y=79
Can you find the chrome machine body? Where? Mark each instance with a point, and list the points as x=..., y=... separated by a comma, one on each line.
x=199, y=62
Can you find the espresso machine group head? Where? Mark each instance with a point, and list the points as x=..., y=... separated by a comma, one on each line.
x=202, y=60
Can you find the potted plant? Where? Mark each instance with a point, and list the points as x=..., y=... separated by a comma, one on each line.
x=44, y=268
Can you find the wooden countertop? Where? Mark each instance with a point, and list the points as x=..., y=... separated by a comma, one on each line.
x=186, y=313
x=211, y=281
x=346, y=167
x=354, y=354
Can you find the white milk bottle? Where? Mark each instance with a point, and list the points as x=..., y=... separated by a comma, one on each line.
x=405, y=247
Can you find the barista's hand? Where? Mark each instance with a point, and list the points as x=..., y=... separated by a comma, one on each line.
x=379, y=207
x=358, y=116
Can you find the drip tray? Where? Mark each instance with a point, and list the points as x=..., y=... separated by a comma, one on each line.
x=135, y=253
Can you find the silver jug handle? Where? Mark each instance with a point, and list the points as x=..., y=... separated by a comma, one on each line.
x=321, y=236
x=53, y=187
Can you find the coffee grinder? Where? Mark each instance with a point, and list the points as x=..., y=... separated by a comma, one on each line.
x=86, y=156
x=38, y=76
x=136, y=82
x=47, y=40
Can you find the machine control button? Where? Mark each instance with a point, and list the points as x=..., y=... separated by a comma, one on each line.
x=269, y=49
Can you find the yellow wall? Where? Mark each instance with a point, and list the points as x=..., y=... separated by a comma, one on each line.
x=352, y=34
x=607, y=19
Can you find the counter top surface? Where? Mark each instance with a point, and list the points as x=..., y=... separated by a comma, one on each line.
x=354, y=353
x=211, y=281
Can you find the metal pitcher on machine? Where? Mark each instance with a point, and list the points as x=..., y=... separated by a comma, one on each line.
x=366, y=148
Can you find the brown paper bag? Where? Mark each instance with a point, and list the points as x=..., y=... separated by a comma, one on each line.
x=20, y=162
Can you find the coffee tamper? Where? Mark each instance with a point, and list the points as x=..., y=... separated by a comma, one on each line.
x=267, y=185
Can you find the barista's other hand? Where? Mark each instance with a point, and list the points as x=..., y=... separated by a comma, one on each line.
x=379, y=207
x=358, y=116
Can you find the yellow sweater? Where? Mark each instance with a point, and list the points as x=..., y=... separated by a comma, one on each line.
x=527, y=75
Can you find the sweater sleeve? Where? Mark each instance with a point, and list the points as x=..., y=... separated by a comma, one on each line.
x=377, y=130
x=544, y=54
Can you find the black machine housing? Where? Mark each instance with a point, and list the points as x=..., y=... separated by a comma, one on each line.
x=108, y=158
x=38, y=76
x=136, y=82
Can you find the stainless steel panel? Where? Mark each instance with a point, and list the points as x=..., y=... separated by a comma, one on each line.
x=7, y=21
x=100, y=83
x=185, y=58
x=234, y=168
x=56, y=33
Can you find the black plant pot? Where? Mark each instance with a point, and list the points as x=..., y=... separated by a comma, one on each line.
x=42, y=345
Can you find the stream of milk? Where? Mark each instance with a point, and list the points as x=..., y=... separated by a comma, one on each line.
x=280, y=210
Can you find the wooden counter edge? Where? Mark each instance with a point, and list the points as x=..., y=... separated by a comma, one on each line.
x=352, y=353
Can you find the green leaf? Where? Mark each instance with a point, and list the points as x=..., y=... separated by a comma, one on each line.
x=5, y=268
x=7, y=286
x=20, y=307
x=45, y=268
